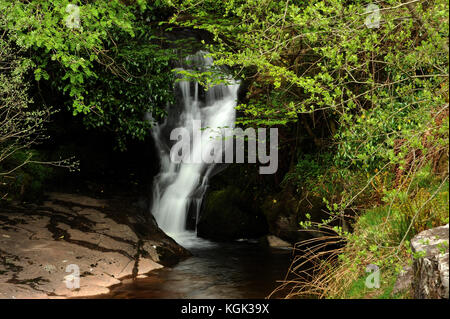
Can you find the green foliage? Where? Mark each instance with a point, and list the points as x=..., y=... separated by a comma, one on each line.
x=28, y=181
x=43, y=25
x=380, y=85
x=381, y=236
x=379, y=93
x=105, y=57
x=143, y=87
x=308, y=171
x=384, y=88
x=21, y=127
x=322, y=53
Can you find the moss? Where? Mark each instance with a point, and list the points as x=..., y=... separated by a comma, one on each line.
x=229, y=214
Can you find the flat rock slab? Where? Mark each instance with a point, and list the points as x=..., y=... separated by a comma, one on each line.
x=72, y=246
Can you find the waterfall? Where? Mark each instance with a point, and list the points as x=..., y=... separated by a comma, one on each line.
x=179, y=187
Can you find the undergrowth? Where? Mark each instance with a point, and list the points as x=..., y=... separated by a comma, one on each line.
x=396, y=202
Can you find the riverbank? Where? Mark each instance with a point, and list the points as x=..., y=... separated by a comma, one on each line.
x=107, y=240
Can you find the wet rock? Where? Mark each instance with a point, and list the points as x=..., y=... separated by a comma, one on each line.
x=43, y=251
x=78, y=199
x=430, y=268
x=274, y=241
x=151, y=249
x=147, y=265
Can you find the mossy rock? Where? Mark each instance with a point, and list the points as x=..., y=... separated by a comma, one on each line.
x=230, y=214
x=284, y=212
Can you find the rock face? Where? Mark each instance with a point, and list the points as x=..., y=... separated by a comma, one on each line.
x=44, y=248
x=430, y=270
x=404, y=280
x=283, y=212
x=228, y=214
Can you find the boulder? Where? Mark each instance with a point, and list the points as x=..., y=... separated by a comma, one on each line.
x=276, y=242
x=430, y=267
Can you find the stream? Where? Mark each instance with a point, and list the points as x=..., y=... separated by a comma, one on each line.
x=242, y=269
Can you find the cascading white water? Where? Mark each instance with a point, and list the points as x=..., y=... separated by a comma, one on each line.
x=179, y=187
